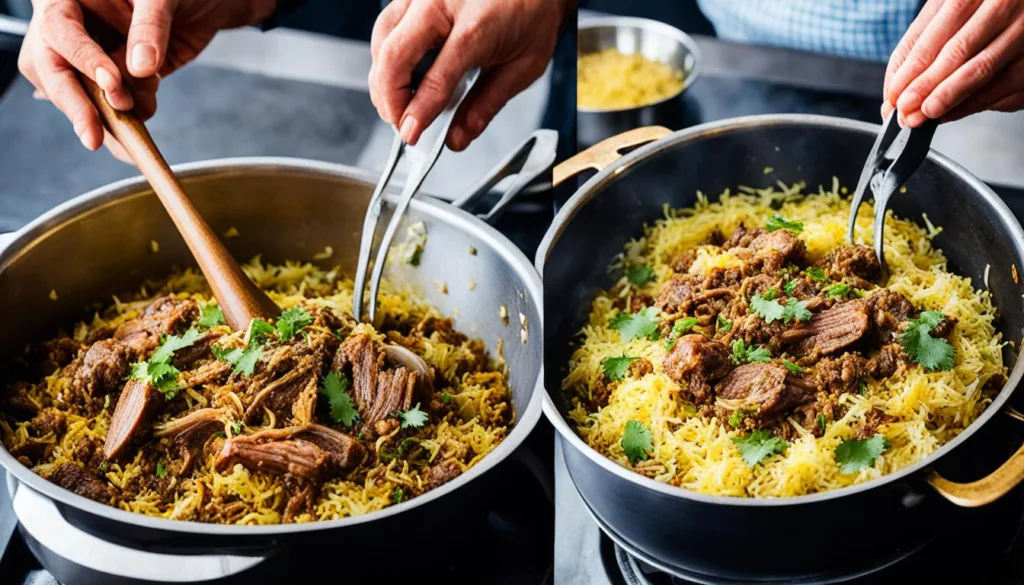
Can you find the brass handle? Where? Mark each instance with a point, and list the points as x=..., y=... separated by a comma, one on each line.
x=606, y=152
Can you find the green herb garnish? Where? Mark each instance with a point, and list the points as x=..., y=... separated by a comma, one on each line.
x=793, y=368
x=932, y=353
x=334, y=389
x=856, y=454
x=777, y=222
x=758, y=445
x=724, y=325
x=816, y=273
x=637, y=442
x=211, y=317
x=630, y=326
x=640, y=275
x=414, y=417
x=291, y=321
x=744, y=354
x=615, y=368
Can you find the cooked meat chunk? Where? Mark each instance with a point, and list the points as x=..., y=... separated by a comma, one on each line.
x=46, y=422
x=829, y=331
x=888, y=309
x=303, y=497
x=753, y=330
x=885, y=362
x=299, y=458
x=18, y=401
x=640, y=368
x=59, y=352
x=684, y=260
x=378, y=392
x=103, y=368
x=715, y=238
x=872, y=420
x=190, y=432
x=841, y=374
x=640, y=301
x=89, y=451
x=281, y=394
x=853, y=260
x=345, y=451
x=165, y=316
x=685, y=293
x=138, y=403
x=72, y=477
x=784, y=242
x=764, y=391
x=944, y=328
x=30, y=451
x=187, y=357
x=759, y=284
x=676, y=295
x=442, y=473
x=698, y=361
x=742, y=237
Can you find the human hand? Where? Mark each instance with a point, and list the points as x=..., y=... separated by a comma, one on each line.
x=511, y=40
x=159, y=36
x=959, y=57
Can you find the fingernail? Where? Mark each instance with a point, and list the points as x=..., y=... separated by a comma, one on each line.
x=408, y=130
x=457, y=138
x=928, y=108
x=143, y=56
x=38, y=95
x=909, y=101
x=886, y=109
x=105, y=80
x=915, y=119
x=901, y=121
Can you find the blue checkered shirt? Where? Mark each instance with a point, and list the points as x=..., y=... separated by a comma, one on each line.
x=863, y=29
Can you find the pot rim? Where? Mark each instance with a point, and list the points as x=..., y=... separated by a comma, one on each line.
x=607, y=175
x=668, y=30
x=136, y=187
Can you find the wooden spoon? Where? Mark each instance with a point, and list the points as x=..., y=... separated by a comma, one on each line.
x=239, y=298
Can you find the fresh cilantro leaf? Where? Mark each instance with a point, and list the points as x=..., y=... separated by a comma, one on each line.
x=793, y=368
x=246, y=363
x=680, y=327
x=161, y=468
x=211, y=317
x=397, y=496
x=758, y=445
x=615, y=368
x=724, y=324
x=777, y=222
x=767, y=307
x=862, y=387
x=414, y=417
x=259, y=330
x=360, y=435
x=821, y=421
x=789, y=287
x=839, y=290
x=933, y=354
x=406, y=444
x=230, y=356
x=640, y=275
x=164, y=377
x=172, y=344
x=635, y=325
x=855, y=454
x=816, y=273
x=446, y=397
x=637, y=441
x=291, y=321
x=736, y=418
x=795, y=309
x=744, y=354
x=334, y=389
x=236, y=427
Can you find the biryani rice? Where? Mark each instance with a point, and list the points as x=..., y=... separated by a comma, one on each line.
x=930, y=408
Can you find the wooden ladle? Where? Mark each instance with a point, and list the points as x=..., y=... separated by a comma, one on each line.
x=239, y=298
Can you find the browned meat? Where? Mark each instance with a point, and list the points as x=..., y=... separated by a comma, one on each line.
x=742, y=237
x=762, y=283
x=599, y=394
x=784, y=242
x=874, y=419
x=164, y=316
x=186, y=358
x=753, y=330
x=58, y=353
x=190, y=432
x=944, y=328
x=853, y=260
x=442, y=473
x=30, y=451
x=90, y=452
x=803, y=287
x=345, y=451
x=885, y=362
x=378, y=392
x=684, y=261
x=640, y=301
x=676, y=294
x=103, y=368
x=282, y=394
x=698, y=361
x=341, y=323
x=840, y=374
x=640, y=368
x=715, y=238
x=888, y=310
x=432, y=324
x=764, y=391
x=829, y=331
x=207, y=373
x=18, y=402
x=138, y=403
x=299, y=458
x=302, y=498
x=46, y=422
x=704, y=296
x=72, y=477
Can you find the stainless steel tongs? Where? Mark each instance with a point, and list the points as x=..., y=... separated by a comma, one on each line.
x=895, y=156
x=421, y=159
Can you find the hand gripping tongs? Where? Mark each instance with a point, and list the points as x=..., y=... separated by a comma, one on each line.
x=421, y=158
x=896, y=155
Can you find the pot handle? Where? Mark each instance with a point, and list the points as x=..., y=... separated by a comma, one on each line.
x=532, y=158
x=604, y=153
x=987, y=489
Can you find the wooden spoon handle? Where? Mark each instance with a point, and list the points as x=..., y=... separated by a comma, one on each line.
x=239, y=298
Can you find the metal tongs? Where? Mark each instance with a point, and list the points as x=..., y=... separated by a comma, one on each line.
x=896, y=155
x=421, y=159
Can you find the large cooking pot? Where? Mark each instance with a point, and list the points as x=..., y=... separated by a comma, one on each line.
x=99, y=244
x=809, y=537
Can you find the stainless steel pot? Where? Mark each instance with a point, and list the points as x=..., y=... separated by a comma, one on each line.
x=637, y=36
x=808, y=537
x=99, y=244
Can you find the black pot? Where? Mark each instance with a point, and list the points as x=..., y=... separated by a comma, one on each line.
x=800, y=538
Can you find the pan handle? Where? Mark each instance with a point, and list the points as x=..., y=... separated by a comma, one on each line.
x=987, y=489
x=606, y=152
